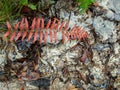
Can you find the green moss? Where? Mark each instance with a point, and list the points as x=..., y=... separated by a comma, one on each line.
x=84, y=4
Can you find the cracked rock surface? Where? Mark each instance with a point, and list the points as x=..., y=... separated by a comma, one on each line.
x=73, y=65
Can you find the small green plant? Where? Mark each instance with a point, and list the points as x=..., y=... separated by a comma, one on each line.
x=84, y=4
x=7, y=9
x=26, y=3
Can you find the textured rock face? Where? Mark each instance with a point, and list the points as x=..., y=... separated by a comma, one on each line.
x=104, y=27
x=61, y=67
x=115, y=6
x=113, y=10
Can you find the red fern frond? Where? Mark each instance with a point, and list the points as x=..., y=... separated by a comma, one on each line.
x=14, y=33
x=26, y=29
x=9, y=29
x=21, y=29
x=38, y=31
x=32, y=29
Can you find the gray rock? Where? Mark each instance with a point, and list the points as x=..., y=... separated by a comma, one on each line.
x=103, y=27
x=112, y=7
x=116, y=8
x=110, y=15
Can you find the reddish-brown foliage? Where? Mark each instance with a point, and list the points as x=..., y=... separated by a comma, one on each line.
x=40, y=32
